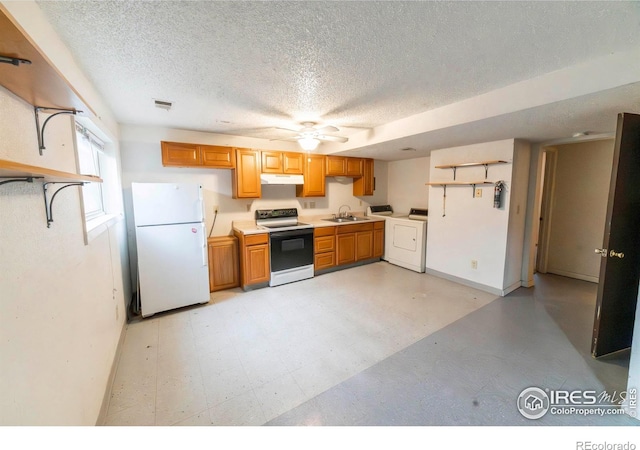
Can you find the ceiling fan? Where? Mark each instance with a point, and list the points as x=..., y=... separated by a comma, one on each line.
x=309, y=136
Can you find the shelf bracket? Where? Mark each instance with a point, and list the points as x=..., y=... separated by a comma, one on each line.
x=454, y=173
x=486, y=171
x=48, y=202
x=18, y=180
x=40, y=130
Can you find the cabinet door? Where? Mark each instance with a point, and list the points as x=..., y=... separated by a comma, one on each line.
x=365, y=185
x=314, y=177
x=180, y=155
x=217, y=156
x=271, y=162
x=346, y=248
x=292, y=163
x=223, y=263
x=378, y=239
x=246, y=179
x=256, y=269
x=336, y=166
x=364, y=245
x=354, y=167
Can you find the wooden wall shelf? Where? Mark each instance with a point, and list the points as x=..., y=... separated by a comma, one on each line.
x=11, y=169
x=38, y=83
x=13, y=172
x=486, y=165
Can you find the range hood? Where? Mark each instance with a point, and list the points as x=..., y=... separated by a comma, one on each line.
x=272, y=178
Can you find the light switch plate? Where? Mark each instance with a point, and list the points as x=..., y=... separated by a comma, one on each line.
x=478, y=192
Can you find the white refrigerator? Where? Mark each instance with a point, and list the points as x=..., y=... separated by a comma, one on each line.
x=171, y=244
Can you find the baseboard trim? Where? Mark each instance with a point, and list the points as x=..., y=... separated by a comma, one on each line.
x=473, y=284
x=102, y=416
x=577, y=276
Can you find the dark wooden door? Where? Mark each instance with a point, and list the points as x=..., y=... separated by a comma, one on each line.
x=620, y=265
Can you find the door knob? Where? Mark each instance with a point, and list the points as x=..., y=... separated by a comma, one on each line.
x=618, y=254
x=602, y=251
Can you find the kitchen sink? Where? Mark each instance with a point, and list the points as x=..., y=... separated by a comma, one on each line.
x=347, y=219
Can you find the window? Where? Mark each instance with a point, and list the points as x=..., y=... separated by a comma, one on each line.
x=101, y=202
x=90, y=156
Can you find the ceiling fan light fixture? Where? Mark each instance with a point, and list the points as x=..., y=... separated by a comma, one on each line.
x=308, y=143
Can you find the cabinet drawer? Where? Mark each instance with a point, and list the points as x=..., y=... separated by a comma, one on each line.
x=324, y=231
x=354, y=228
x=324, y=244
x=255, y=239
x=378, y=225
x=324, y=261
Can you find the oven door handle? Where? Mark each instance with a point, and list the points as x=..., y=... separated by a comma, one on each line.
x=292, y=233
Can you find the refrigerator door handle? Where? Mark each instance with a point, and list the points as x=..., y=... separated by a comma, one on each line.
x=204, y=247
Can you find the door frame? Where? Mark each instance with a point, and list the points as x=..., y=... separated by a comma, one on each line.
x=540, y=239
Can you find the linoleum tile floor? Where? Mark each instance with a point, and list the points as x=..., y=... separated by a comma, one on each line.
x=371, y=345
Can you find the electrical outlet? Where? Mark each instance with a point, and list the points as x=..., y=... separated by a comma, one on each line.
x=474, y=264
x=478, y=192
x=304, y=205
x=248, y=206
x=312, y=204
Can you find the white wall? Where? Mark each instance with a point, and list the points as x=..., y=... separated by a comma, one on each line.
x=62, y=308
x=471, y=228
x=142, y=162
x=579, y=208
x=407, y=184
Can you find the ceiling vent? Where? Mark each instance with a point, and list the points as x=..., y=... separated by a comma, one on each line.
x=408, y=149
x=163, y=104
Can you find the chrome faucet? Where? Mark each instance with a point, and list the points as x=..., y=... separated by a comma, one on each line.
x=343, y=214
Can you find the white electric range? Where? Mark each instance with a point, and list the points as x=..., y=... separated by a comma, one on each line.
x=405, y=236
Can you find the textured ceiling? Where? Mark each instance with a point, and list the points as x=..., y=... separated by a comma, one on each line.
x=244, y=68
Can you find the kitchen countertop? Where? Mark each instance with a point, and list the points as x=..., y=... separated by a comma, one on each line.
x=250, y=227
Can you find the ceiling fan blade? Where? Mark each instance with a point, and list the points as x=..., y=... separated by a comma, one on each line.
x=288, y=129
x=294, y=138
x=328, y=129
x=324, y=137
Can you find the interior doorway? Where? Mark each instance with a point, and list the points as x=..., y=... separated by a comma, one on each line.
x=573, y=184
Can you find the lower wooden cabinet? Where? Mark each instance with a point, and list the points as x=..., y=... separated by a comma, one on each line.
x=359, y=242
x=324, y=248
x=378, y=239
x=254, y=259
x=223, y=263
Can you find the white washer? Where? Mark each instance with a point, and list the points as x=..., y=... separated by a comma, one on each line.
x=405, y=236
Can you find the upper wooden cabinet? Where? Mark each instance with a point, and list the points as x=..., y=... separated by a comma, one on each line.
x=282, y=162
x=342, y=166
x=314, y=177
x=365, y=185
x=179, y=154
x=217, y=156
x=246, y=175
